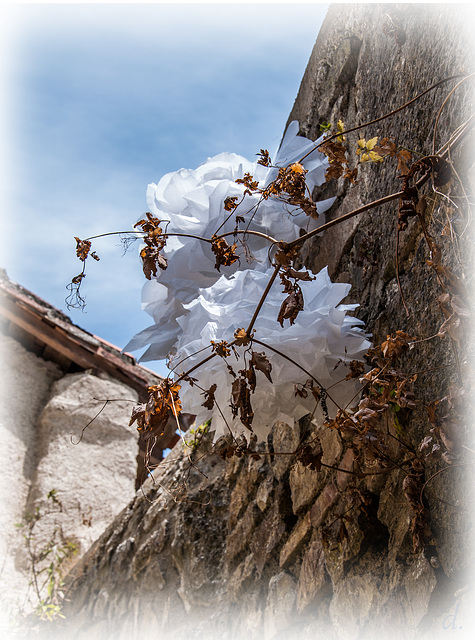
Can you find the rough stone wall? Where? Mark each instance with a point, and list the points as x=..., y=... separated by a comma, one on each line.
x=20, y=370
x=241, y=554
x=358, y=72
x=95, y=479
x=41, y=409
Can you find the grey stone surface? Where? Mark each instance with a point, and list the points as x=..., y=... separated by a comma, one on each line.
x=43, y=412
x=89, y=501
x=20, y=371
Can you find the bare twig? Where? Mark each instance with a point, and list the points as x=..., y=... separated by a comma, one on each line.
x=262, y=300
x=387, y=115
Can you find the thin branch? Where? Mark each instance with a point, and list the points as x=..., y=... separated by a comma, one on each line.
x=230, y=214
x=250, y=233
x=468, y=448
x=113, y=233
x=366, y=384
x=445, y=366
x=139, y=235
x=375, y=203
x=442, y=107
x=387, y=115
x=345, y=216
x=459, y=133
x=434, y=475
x=190, y=461
x=90, y=421
x=401, y=293
x=262, y=300
x=172, y=369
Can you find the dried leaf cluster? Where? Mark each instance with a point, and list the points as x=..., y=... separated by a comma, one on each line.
x=154, y=240
x=162, y=405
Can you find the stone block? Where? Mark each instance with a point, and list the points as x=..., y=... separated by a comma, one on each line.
x=419, y=583
x=296, y=540
x=240, y=536
x=145, y=558
x=285, y=439
x=21, y=372
x=280, y=607
x=353, y=603
x=313, y=579
x=266, y=537
x=241, y=493
x=264, y=493
x=343, y=479
x=331, y=445
x=305, y=485
x=395, y=513
x=323, y=503
x=240, y=577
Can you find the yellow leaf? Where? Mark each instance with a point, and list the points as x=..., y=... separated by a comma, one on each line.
x=365, y=157
x=361, y=143
x=371, y=143
x=375, y=157
x=340, y=127
x=297, y=168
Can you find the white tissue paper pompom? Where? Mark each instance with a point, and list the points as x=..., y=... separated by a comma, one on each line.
x=192, y=201
x=322, y=336
x=192, y=303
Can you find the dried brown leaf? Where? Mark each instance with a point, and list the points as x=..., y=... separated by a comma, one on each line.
x=225, y=254
x=310, y=456
x=261, y=363
x=152, y=260
x=209, y=397
x=291, y=307
x=241, y=337
x=403, y=159
x=82, y=248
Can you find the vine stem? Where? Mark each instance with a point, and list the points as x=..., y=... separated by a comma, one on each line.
x=190, y=235
x=172, y=369
x=106, y=402
x=197, y=366
x=456, y=135
x=262, y=300
x=365, y=385
x=231, y=213
x=452, y=466
x=345, y=216
x=248, y=232
x=139, y=235
x=443, y=105
x=359, y=474
x=248, y=331
x=175, y=414
x=468, y=448
x=387, y=115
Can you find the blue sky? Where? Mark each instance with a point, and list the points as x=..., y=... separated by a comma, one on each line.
x=101, y=99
